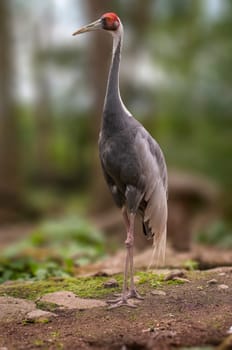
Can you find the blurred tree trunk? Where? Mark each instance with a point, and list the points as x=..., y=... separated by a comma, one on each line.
x=141, y=16
x=10, y=180
x=43, y=115
x=43, y=105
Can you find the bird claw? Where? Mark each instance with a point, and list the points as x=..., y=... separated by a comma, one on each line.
x=123, y=301
x=114, y=301
x=133, y=294
x=120, y=302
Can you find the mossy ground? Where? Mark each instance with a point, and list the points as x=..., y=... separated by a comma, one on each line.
x=86, y=287
x=83, y=287
x=188, y=315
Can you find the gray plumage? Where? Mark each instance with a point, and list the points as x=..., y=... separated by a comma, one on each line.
x=132, y=162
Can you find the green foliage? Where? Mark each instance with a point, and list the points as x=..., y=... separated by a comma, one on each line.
x=65, y=243
x=68, y=237
x=202, y=144
x=26, y=268
x=191, y=265
x=218, y=233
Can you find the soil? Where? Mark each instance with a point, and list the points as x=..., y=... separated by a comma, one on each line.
x=195, y=313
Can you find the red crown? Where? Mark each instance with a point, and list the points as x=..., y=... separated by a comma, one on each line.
x=111, y=17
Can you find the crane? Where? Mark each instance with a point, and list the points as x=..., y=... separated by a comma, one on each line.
x=133, y=165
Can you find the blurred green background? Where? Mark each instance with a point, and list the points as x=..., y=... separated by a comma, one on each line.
x=176, y=78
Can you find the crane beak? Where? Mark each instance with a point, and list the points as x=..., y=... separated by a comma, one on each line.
x=89, y=27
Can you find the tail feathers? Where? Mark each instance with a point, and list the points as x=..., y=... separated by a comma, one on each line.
x=147, y=230
x=155, y=216
x=159, y=244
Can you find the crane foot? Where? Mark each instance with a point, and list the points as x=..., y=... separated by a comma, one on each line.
x=120, y=302
x=133, y=294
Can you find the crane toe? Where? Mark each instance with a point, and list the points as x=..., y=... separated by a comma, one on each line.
x=133, y=294
x=123, y=300
x=120, y=302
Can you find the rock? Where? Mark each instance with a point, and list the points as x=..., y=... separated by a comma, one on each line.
x=223, y=287
x=158, y=292
x=101, y=274
x=111, y=283
x=39, y=315
x=212, y=281
x=175, y=273
x=14, y=308
x=69, y=300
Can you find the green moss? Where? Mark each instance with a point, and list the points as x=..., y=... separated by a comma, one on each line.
x=133, y=316
x=150, y=277
x=175, y=282
x=156, y=281
x=43, y=320
x=55, y=335
x=46, y=306
x=38, y=342
x=25, y=322
x=39, y=320
x=83, y=286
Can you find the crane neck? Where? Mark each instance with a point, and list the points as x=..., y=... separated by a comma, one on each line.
x=114, y=109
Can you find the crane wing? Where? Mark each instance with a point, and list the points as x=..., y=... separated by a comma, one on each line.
x=117, y=196
x=155, y=196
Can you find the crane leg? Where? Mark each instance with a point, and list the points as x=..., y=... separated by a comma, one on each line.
x=123, y=299
x=132, y=291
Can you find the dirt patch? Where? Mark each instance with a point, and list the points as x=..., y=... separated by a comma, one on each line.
x=190, y=314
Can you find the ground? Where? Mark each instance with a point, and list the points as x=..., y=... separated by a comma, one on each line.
x=196, y=311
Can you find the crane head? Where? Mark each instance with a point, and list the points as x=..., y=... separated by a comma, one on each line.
x=109, y=21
